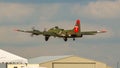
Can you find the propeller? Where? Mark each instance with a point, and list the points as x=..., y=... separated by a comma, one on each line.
x=33, y=28
x=32, y=35
x=45, y=29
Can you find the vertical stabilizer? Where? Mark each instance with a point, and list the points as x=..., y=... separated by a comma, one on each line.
x=77, y=28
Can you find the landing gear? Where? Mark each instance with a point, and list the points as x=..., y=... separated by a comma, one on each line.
x=46, y=38
x=65, y=39
x=73, y=39
x=81, y=35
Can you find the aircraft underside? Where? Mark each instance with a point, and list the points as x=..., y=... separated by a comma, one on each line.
x=65, y=38
x=72, y=36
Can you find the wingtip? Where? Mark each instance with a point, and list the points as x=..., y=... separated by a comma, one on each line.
x=16, y=30
x=102, y=31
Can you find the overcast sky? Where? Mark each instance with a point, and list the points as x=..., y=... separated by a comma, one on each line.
x=94, y=15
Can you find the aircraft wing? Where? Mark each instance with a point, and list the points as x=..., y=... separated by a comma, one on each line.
x=23, y=31
x=33, y=32
x=92, y=32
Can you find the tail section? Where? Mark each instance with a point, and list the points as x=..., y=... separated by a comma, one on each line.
x=77, y=28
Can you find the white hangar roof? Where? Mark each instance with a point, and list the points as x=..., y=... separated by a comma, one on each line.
x=6, y=57
x=43, y=59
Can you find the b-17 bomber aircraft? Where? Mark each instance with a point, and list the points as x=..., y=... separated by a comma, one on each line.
x=61, y=33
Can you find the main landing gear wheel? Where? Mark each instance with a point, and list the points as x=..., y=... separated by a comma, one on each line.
x=65, y=39
x=81, y=35
x=46, y=38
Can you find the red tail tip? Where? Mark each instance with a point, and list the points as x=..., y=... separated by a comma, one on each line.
x=78, y=21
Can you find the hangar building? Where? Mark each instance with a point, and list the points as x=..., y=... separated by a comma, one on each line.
x=66, y=62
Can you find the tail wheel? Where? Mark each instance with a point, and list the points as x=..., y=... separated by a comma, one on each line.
x=65, y=39
x=46, y=38
x=73, y=39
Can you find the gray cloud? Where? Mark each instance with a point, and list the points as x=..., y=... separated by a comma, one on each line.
x=99, y=9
